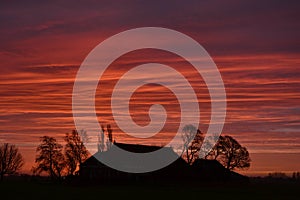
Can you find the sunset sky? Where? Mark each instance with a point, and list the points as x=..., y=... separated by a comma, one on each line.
x=255, y=45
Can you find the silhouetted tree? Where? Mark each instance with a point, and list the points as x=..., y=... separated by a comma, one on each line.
x=277, y=175
x=109, y=131
x=192, y=141
x=101, y=144
x=208, y=147
x=50, y=158
x=71, y=163
x=230, y=153
x=11, y=159
x=75, y=151
x=296, y=175
x=110, y=136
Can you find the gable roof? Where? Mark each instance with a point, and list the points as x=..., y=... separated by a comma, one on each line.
x=135, y=148
x=138, y=148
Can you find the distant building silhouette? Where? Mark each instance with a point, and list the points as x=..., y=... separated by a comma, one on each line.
x=201, y=170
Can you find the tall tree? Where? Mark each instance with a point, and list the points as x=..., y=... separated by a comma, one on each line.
x=208, y=147
x=50, y=158
x=231, y=154
x=192, y=141
x=11, y=159
x=75, y=151
x=110, y=136
x=101, y=144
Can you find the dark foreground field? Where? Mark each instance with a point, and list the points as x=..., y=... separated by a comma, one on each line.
x=32, y=190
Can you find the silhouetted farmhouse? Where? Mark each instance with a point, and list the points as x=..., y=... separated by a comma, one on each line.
x=205, y=170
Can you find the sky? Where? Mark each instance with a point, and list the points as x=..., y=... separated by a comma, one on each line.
x=254, y=44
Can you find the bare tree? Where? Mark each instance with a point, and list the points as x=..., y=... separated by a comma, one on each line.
x=208, y=150
x=110, y=136
x=296, y=176
x=71, y=163
x=278, y=175
x=230, y=153
x=50, y=158
x=75, y=151
x=109, y=131
x=101, y=144
x=192, y=141
x=11, y=159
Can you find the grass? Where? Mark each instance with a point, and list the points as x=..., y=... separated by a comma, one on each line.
x=32, y=190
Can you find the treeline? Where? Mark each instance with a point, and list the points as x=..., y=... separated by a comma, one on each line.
x=58, y=161
x=282, y=175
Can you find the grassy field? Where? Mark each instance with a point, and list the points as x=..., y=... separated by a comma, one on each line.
x=31, y=190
